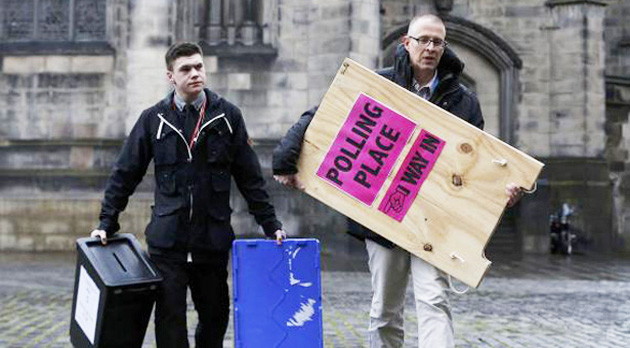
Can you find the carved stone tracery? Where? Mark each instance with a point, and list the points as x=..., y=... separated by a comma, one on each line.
x=89, y=19
x=53, y=20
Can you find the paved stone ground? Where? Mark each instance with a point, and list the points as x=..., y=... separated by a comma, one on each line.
x=539, y=301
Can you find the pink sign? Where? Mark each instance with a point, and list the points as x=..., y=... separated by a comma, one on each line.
x=365, y=149
x=411, y=175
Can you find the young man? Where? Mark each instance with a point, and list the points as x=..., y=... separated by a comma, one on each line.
x=425, y=66
x=198, y=142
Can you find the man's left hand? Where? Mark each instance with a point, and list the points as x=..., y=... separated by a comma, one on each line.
x=280, y=236
x=514, y=192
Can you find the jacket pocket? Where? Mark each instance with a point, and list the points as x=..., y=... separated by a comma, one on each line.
x=221, y=181
x=218, y=143
x=219, y=230
x=219, y=207
x=166, y=147
x=166, y=182
x=162, y=230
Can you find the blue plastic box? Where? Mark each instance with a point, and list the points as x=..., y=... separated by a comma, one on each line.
x=277, y=294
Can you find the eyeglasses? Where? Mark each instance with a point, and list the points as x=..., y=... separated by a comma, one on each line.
x=424, y=41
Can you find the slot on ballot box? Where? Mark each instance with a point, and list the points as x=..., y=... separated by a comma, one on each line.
x=114, y=293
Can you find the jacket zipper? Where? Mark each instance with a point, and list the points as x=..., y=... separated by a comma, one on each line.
x=190, y=210
x=180, y=135
x=190, y=156
x=190, y=194
x=443, y=95
x=207, y=124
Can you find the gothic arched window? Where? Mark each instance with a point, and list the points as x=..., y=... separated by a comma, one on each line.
x=52, y=20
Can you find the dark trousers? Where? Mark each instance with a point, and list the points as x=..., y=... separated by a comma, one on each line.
x=209, y=289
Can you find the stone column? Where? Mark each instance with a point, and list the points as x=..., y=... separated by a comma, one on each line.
x=151, y=34
x=231, y=23
x=577, y=171
x=618, y=118
x=365, y=32
x=577, y=78
x=249, y=29
x=269, y=24
x=184, y=20
x=215, y=16
x=324, y=52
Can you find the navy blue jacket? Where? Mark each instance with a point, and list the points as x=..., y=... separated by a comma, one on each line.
x=192, y=186
x=449, y=94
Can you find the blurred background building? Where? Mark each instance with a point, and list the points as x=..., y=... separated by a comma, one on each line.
x=553, y=78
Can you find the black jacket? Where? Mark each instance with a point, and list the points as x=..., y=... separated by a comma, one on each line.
x=192, y=193
x=450, y=95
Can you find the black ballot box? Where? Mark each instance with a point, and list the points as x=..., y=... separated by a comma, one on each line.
x=114, y=292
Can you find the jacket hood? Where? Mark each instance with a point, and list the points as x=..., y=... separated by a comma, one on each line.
x=449, y=64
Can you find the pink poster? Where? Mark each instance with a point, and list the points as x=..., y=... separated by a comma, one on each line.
x=365, y=149
x=411, y=175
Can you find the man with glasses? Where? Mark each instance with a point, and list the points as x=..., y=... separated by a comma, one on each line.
x=424, y=65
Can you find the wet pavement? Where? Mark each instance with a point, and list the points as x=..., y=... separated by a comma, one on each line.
x=537, y=301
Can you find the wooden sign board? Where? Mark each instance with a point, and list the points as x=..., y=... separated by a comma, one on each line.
x=410, y=171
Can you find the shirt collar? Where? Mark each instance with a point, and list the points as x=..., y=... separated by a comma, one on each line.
x=197, y=103
x=432, y=84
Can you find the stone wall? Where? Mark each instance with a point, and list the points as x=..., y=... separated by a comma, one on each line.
x=66, y=112
x=560, y=117
x=63, y=114
x=59, y=176
x=274, y=91
x=617, y=34
x=150, y=33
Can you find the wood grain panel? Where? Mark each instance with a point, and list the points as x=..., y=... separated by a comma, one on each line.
x=448, y=225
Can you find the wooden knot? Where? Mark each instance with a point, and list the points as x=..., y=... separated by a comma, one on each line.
x=457, y=180
x=428, y=247
x=466, y=148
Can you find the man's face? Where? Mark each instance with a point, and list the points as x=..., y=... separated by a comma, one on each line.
x=425, y=58
x=188, y=76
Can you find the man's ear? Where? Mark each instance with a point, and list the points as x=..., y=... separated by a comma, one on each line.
x=169, y=76
x=406, y=42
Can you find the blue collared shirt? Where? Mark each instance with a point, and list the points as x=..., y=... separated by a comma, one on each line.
x=197, y=103
x=432, y=85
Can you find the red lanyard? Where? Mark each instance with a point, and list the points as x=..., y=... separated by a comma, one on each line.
x=193, y=136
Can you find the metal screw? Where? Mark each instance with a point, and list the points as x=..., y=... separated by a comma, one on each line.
x=344, y=67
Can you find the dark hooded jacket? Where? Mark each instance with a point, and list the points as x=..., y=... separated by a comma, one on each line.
x=449, y=94
x=192, y=185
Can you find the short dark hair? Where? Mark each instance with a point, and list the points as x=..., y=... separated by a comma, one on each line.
x=181, y=49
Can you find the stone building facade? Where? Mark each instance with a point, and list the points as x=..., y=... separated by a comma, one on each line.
x=553, y=78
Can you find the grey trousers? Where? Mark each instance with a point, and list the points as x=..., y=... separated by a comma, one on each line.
x=390, y=269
